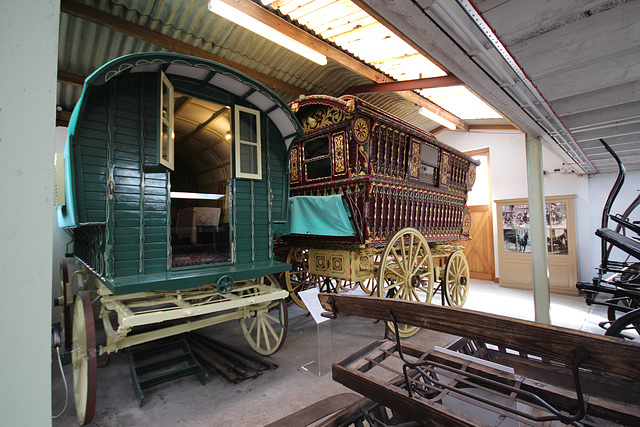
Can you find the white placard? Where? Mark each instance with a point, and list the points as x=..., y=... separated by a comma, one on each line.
x=310, y=299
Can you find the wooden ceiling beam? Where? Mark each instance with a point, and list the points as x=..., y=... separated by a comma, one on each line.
x=72, y=79
x=142, y=33
x=427, y=83
x=347, y=61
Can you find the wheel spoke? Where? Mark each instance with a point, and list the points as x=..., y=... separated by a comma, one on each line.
x=415, y=294
x=253, y=324
x=267, y=341
x=414, y=258
x=399, y=261
x=272, y=331
x=421, y=263
x=396, y=272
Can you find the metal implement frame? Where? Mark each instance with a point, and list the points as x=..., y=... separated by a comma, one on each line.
x=149, y=308
x=437, y=378
x=552, y=367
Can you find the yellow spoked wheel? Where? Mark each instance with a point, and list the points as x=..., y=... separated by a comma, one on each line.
x=406, y=272
x=369, y=285
x=456, y=279
x=299, y=279
x=83, y=358
x=265, y=327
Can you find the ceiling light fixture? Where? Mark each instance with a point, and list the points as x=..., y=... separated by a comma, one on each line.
x=436, y=118
x=220, y=7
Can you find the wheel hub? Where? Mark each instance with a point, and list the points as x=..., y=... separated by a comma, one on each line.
x=463, y=280
x=416, y=281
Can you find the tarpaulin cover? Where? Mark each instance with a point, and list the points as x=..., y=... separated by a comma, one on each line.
x=320, y=215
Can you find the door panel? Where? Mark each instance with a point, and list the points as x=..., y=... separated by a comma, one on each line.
x=479, y=249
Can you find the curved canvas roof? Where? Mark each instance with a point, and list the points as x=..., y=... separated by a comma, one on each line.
x=214, y=74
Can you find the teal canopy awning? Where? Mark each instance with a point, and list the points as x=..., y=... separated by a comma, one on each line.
x=320, y=216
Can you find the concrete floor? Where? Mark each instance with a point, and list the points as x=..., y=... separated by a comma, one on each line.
x=277, y=393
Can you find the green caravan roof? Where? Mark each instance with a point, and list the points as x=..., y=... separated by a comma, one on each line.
x=208, y=72
x=173, y=64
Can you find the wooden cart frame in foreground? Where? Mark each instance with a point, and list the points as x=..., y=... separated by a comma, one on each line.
x=558, y=374
x=382, y=203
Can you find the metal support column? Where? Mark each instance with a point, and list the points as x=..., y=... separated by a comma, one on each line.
x=538, y=236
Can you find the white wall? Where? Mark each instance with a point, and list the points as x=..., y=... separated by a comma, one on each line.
x=28, y=54
x=508, y=169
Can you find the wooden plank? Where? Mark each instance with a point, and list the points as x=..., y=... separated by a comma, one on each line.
x=397, y=399
x=610, y=355
x=431, y=82
x=317, y=410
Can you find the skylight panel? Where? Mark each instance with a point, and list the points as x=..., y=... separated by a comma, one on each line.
x=461, y=102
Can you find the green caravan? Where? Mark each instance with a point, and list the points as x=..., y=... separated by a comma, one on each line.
x=175, y=177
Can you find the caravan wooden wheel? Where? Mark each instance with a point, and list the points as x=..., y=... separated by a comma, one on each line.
x=299, y=279
x=456, y=279
x=406, y=272
x=83, y=358
x=265, y=327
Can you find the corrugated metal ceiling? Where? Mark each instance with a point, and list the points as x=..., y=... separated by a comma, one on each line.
x=85, y=46
x=440, y=29
x=354, y=30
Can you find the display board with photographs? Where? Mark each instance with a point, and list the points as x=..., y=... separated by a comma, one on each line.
x=516, y=228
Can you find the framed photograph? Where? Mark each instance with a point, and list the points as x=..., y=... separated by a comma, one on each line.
x=508, y=217
x=510, y=241
x=524, y=241
x=558, y=215
x=522, y=216
x=560, y=245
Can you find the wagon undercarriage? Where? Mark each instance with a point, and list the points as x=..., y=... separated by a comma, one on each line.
x=141, y=317
x=407, y=268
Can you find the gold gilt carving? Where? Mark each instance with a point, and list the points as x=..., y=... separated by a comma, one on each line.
x=466, y=223
x=293, y=165
x=361, y=129
x=338, y=149
x=472, y=176
x=446, y=169
x=415, y=159
x=322, y=117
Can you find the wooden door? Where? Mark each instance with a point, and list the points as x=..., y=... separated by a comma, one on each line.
x=479, y=249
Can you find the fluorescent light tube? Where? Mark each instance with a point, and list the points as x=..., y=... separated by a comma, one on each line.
x=436, y=118
x=234, y=15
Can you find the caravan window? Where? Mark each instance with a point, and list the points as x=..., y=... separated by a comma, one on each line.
x=316, y=158
x=429, y=157
x=166, y=123
x=248, y=145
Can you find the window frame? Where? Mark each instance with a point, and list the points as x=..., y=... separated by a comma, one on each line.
x=326, y=156
x=238, y=142
x=436, y=166
x=168, y=122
